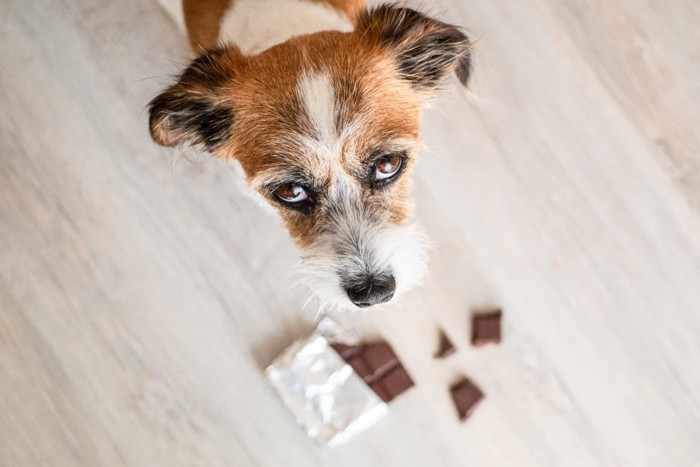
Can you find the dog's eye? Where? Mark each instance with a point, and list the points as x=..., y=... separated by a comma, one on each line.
x=291, y=193
x=387, y=167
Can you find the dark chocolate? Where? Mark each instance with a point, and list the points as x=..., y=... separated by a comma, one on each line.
x=380, y=358
x=359, y=364
x=466, y=397
x=347, y=351
x=393, y=383
x=379, y=390
x=377, y=364
x=486, y=328
x=446, y=347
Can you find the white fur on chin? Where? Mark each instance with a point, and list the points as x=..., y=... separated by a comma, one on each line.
x=402, y=250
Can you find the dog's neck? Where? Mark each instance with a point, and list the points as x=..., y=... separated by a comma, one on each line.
x=256, y=25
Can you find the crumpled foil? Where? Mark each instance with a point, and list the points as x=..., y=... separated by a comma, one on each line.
x=328, y=399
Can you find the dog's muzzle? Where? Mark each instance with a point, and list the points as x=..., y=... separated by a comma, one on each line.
x=371, y=290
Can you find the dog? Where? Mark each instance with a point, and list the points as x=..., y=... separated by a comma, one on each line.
x=320, y=101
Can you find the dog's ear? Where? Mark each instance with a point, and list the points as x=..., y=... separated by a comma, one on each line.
x=197, y=109
x=426, y=49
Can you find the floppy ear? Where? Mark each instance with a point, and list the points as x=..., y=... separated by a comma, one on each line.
x=197, y=109
x=426, y=49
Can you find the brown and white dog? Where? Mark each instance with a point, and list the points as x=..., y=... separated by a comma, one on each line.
x=319, y=101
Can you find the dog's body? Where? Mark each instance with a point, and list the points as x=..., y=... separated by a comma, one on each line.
x=319, y=101
x=256, y=25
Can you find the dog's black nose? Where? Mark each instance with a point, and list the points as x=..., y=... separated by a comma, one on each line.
x=372, y=290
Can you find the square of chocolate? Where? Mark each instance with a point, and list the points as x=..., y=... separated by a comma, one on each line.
x=380, y=358
x=486, y=328
x=466, y=396
x=359, y=364
x=347, y=351
x=392, y=384
x=379, y=366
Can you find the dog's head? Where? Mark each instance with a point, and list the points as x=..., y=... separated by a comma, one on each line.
x=326, y=127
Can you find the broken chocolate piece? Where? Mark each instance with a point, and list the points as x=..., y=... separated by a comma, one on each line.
x=359, y=364
x=380, y=358
x=380, y=391
x=392, y=384
x=377, y=364
x=347, y=351
x=486, y=328
x=466, y=397
x=446, y=347
x=374, y=360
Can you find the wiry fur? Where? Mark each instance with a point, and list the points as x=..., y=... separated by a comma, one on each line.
x=321, y=111
x=357, y=241
x=426, y=49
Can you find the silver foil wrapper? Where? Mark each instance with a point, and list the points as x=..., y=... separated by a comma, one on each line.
x=325, y=395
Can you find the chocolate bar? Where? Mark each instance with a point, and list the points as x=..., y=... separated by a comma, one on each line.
x=327, y=398
x=466, y=396
x=486, y=328
x=393, y=383
x=377, y=364
x=347, y=351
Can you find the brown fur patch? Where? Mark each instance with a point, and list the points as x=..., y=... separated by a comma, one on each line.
x=203, y=20
x=270, y=119
x=426, y=49
x=381, y=75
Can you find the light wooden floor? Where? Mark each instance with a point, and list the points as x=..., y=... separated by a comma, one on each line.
x=141, y=298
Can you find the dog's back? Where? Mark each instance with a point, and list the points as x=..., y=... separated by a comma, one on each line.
x=255, y=25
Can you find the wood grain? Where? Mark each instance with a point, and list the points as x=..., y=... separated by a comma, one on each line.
x=141, y=294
